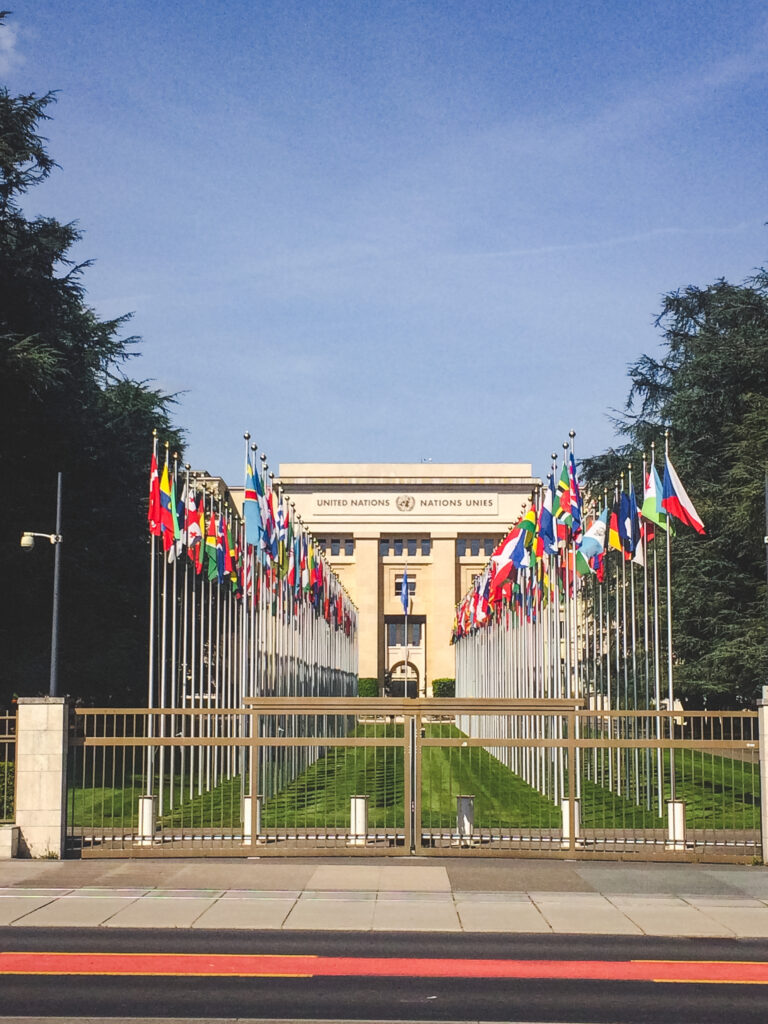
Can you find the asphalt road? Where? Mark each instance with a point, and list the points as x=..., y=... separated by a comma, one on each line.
x=397, y=976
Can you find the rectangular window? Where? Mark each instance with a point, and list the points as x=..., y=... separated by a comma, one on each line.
x=396, y=633
x=489, y=545
x=474, y=546
x=411, y=545
x=335, y=545
x=461, y=547
x=383, y=547
x=398, y=546
x=349, y=546
x=426, y=546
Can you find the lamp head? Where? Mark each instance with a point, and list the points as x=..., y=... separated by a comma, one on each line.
x=27, y=541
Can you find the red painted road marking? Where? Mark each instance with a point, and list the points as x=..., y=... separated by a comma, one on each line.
x=254, y=966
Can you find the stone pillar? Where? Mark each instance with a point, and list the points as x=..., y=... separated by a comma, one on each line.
x=368, y=599
x=42, y=732
x=762, y=727
x=441, y=662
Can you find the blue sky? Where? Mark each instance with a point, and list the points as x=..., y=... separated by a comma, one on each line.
x=400, y=230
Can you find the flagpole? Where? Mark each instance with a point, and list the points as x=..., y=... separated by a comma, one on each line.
x=633, y=614
x=657, y=658
x=151, y=645
x=406, y=600
x=246, y=755
x=162, y=703
x=572, y=571
x=646, y=640
x=670, y=685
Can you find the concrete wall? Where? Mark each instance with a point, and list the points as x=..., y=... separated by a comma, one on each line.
x=41, y=775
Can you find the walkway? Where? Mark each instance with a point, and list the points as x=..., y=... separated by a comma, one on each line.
x=350, y=894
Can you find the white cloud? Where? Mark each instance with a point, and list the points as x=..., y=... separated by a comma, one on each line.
x=10, y=58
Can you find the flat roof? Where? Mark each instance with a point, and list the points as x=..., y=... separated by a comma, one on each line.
x=400, y=472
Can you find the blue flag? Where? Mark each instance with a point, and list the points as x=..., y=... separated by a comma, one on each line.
x=404, y=594
x=251, y=511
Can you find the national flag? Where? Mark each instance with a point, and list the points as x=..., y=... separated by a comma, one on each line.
x=652, y=510
x=192, y=527
x=304, y=564
x=563, y=500
x=614, y=537
x=199, y=549
x=676, y=502
x=155, y=511
x=625, y=522
x=482, y=607
x=229, y=547
x=166, y=510
x=592, y=544
x=502, y=565
x=210, y=548
x=222, y=550
x=178, y=519
x=547, y=521
x=291, y=574
x=251, y=507
x=575, y=498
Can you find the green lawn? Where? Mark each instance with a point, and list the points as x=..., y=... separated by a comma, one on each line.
x=720, y=792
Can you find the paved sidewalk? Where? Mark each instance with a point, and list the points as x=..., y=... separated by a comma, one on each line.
x=415, y=894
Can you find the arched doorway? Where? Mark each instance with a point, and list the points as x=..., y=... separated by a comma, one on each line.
x=397, y=683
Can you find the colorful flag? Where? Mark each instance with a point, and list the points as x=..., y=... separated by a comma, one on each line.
x=563, y=502
x=575, y=498
x=547, y=521
x=192, y=527
x=252, y=508
x=210, y=548
x=592, y=544
x=178, y=543
x=614, y=537
x=676, y=502
x=166, y=510
x=199, y=549
x=652, y=510
x=155, y=510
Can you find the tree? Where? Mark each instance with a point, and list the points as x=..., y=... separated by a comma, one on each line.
x=710, y=388
x=66, y=403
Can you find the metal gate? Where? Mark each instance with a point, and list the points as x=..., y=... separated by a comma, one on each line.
x=444, y=777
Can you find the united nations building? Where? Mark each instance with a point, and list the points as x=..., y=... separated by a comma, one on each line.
x=441, y=522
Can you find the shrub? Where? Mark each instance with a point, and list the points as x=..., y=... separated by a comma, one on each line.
x=444, y=687
x=367, y=686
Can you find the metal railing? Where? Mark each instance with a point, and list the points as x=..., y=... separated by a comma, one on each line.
x=7, y=767
x=469, y=777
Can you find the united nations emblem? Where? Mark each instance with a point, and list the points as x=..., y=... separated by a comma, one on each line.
x=405, y=502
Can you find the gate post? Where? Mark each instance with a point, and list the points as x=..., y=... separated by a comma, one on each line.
x=358, y=820
x=762, y=730
x=42, y=735
x=465, y=819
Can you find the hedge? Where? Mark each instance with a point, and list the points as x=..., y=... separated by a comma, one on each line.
x=367, y=686
x=444, y=687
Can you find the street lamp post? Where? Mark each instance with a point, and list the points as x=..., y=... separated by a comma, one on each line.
x=28, y=542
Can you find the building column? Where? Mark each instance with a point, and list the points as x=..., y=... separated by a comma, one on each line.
x=441, y=661
x=42, y=725
x=368, y=600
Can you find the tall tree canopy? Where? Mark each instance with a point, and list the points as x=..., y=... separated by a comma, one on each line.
x=710, y=388
x=66, y=403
